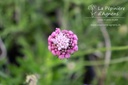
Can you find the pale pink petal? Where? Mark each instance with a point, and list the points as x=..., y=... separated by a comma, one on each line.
x=53, y=52
x=67, y=56
x=61, y=57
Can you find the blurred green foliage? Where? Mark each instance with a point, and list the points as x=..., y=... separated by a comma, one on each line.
x=28, y=23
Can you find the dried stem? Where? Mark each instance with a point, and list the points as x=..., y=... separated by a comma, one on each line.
x=107, y=45
x=107, y=42
x=3, y=51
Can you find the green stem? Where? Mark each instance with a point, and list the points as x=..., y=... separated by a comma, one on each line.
x=113, y=61
x=82, y=53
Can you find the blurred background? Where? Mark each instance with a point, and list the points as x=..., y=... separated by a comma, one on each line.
x=102, y=58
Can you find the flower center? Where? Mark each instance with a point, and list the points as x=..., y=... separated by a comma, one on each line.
x=61, y=41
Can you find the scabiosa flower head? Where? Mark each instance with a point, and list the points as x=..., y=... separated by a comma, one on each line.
x=62, y=43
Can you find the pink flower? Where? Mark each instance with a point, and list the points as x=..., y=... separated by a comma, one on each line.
x=62, y=43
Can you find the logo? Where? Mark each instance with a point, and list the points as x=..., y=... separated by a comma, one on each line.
x=105, y=11
x=92, y=8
